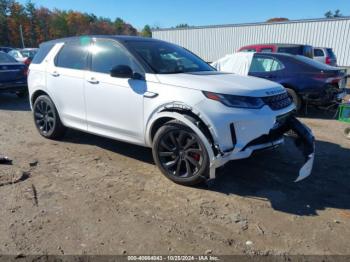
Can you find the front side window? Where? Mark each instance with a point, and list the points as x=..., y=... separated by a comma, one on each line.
x=262, y=65
x=108, y=54
x=166, y=58
x=73, y=55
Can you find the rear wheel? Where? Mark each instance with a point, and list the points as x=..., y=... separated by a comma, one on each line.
x=180, y=154
x=46, y=118
x=296, y=99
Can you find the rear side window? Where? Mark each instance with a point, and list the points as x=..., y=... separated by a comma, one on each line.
x=331, y=53
x=294, y=50
x=73, y=55
x=266, y=50
x=248, y=50
x=318, y=52
x=265, y=64
x=42, y=53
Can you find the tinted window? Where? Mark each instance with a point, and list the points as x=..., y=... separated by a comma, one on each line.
x=331, y=53
x=266, y=50
x=318, y=52
x=249, y=50
x=261, y=65
x=108, y=54
x=166, y=58
x=5, y=58
x=72, y=55
x=42, y=53
x=294, y=50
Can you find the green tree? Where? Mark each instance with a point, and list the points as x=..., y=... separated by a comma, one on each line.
x=328, y=14
x=337, y=13
x=182, y=26
x=30, y=32
x=4, y=15
x=119, y=26
x=146, y=31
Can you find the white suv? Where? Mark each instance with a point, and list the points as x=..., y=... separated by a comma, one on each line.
x=156, y=94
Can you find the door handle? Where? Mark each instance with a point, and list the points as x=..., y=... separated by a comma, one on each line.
x=55, y=74
x=150, y=94
x=93, y=80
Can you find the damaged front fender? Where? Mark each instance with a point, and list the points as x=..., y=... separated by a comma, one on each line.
x=305, y=141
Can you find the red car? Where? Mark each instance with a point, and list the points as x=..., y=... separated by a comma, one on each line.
x=305, y=50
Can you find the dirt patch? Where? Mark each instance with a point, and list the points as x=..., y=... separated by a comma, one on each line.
x=91, y=195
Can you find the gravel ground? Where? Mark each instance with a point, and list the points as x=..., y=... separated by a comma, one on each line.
x=91, y=195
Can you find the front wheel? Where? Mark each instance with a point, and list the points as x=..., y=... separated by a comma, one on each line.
x=180, y=154
x=46, y=118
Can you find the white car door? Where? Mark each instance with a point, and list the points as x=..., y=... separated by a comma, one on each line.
x=65, y=81
x=114, y=105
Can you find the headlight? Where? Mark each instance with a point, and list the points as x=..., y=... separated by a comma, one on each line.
x=236, y=101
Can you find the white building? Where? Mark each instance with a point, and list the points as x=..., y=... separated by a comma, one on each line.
x=213, y=42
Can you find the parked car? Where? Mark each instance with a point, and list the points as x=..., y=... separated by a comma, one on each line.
x=23, y=55
x=305, y=50
x=325, y=55
x=306, y=80
x=13, y=75
x=5, y=49
x=159, y=95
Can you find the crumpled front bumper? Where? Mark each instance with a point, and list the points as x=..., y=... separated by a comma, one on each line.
x=304, y=140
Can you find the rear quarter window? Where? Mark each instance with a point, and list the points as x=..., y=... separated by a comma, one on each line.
x=318, y=52
x=42, y=53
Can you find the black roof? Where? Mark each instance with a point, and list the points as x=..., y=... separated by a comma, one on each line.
x=119, y=38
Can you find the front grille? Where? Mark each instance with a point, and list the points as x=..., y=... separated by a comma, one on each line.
x=278, y=102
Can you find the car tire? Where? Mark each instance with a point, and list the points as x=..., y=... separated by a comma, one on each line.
x=296, y=99
x=46, y=118
x=180, y=154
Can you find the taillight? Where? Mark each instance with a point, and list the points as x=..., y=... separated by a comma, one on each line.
x=27, y=61
x=328, y=60
x=25, y=71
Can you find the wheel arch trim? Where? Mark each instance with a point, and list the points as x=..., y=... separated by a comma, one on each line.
x=182, y=118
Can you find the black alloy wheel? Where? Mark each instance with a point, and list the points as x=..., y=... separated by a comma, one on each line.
x=46, y=118
x=180, y=154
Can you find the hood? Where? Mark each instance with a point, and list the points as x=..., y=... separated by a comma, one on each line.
x=223, y=83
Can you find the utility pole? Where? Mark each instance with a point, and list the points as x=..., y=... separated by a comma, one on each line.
x=21, y=33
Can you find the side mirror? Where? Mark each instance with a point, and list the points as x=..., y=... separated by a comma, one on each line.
x=122, y=71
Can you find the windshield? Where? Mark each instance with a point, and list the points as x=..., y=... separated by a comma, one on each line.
x=5, y=58
x=165, y=58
